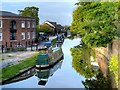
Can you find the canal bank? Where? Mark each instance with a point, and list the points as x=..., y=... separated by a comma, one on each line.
x=108, y=59
x=64, y=77
x=12, y=70
x=16, y=62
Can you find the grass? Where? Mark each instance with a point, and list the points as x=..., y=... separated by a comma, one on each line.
x=10, y=71
x=2, y=58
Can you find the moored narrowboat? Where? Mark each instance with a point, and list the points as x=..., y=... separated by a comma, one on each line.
x=49, y=58
x=44, y=75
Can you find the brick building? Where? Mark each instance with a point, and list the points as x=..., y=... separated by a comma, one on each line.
x=16, y=29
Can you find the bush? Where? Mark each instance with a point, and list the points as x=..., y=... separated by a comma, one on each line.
x=113, y=66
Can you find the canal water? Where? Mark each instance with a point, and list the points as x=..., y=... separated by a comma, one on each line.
x=62, y=75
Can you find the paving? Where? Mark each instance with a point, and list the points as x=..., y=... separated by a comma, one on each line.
x=14, y=57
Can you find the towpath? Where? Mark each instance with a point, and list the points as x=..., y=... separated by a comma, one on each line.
x=14, y=57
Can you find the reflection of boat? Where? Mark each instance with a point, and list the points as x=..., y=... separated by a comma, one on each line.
x=43, y=75
x=49, y=58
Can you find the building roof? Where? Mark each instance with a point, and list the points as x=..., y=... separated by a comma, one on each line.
x=53, y=23
x=58, y=26
x=6, y=13
x=10, y=14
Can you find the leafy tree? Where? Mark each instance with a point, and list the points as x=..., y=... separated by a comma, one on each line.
x=95, y=22
x=45, y=29
x=30, y=11
x=67, y=28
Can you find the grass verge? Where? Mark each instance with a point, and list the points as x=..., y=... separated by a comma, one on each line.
x=2, y=58
x=10, y=71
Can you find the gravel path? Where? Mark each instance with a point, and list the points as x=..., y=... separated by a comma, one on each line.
x=15, y=58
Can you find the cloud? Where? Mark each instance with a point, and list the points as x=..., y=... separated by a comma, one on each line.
x=60, y=12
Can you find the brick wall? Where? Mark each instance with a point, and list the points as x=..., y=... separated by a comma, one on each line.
x=6, y=30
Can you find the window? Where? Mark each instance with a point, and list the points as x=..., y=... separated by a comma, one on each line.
x=23, y=36
x=0, y=23
x=13, y=24
x=28, y=24
x=33, y=24
x=28, y=35
x=12, y=36
x=33, y=35
x=22, y=24
x=0, y=36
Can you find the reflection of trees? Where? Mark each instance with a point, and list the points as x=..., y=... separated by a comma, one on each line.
x=81, y=61
x=99, y=82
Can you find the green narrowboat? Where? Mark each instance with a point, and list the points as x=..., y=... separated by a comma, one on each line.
x=49, y=58
x=43, y=75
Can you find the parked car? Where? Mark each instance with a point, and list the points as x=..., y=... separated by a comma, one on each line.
x=44, y=37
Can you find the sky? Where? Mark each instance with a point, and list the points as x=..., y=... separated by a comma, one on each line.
x=57, y=11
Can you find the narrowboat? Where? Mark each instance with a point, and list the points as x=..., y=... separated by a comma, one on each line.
x=49, y=58
x=43, y=75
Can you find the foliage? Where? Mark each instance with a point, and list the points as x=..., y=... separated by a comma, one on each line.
x=99, y=82
x=94, y=21
x=67, y=28
x=10, y=71
x=30, y=11
x=81, y=61
x=45, y=29
x=113, y=66
x=54, y=42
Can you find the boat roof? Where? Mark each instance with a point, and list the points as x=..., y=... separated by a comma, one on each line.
x=56, y=49
x=48, y=42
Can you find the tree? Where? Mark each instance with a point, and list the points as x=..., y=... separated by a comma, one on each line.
x=45, y=29
x=95, y=22
x=30, y=11
x=67, y=28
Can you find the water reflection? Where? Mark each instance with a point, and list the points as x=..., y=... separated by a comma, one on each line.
x=81, y=61
x=43, y=75
x=82, y=64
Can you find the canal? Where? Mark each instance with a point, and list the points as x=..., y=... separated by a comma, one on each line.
x=62, y=75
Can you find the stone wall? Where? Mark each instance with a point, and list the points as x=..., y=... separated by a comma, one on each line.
x=103, y=55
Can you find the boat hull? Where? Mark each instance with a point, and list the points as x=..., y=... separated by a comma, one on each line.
x=50, y=65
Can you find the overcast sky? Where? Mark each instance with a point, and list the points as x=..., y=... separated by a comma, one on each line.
x=58, y=11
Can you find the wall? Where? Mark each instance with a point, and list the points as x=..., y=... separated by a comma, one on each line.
x=103, y=55
x=6, y=30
